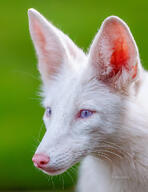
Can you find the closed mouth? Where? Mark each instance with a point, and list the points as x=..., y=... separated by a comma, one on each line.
x=51, y=171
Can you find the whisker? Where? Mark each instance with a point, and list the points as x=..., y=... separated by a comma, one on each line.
x=27, y=74
x=111, y=152
x=104, y=155
x=69, y=174
x=63, y=185
x=122, y=151
x=40, y=130
x=52, y=181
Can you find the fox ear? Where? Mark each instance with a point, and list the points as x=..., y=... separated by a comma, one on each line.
x=52, y=46
x=114, y=54
x=50, y=51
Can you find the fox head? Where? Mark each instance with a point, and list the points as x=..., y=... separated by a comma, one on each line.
x=84, y=95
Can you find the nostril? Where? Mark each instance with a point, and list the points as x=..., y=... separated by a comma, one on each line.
x=40, y=160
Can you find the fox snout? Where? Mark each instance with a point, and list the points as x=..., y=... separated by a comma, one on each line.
x=42, y=162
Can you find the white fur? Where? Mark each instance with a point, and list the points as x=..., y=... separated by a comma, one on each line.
x=112, y=143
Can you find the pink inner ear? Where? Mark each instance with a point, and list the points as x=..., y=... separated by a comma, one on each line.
x=120, y=55
x=122, y=47
x=48, y=50
x=41, y=38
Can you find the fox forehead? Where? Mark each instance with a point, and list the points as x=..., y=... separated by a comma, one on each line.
x=70, y=85
x=76, y=90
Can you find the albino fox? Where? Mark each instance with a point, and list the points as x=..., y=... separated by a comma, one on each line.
x=96, y=107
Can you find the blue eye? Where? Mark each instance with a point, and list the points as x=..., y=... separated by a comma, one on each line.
x=48, y=111
x=85, y=113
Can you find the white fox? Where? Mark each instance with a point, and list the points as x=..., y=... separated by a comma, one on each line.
x=96, y=107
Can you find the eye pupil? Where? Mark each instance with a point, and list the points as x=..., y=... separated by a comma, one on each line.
x=48, y=111
x=85, y=113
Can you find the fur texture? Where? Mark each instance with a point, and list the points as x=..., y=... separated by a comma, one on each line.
x=109, y=79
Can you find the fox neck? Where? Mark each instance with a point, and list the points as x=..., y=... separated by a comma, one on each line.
x=126, y=153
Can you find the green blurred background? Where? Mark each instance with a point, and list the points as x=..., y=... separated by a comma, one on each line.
x=21, y=126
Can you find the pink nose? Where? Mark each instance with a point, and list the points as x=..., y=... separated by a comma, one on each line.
x=40, y=160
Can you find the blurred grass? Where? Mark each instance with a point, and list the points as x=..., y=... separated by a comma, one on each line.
x=65, y=190
x=21, y=125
